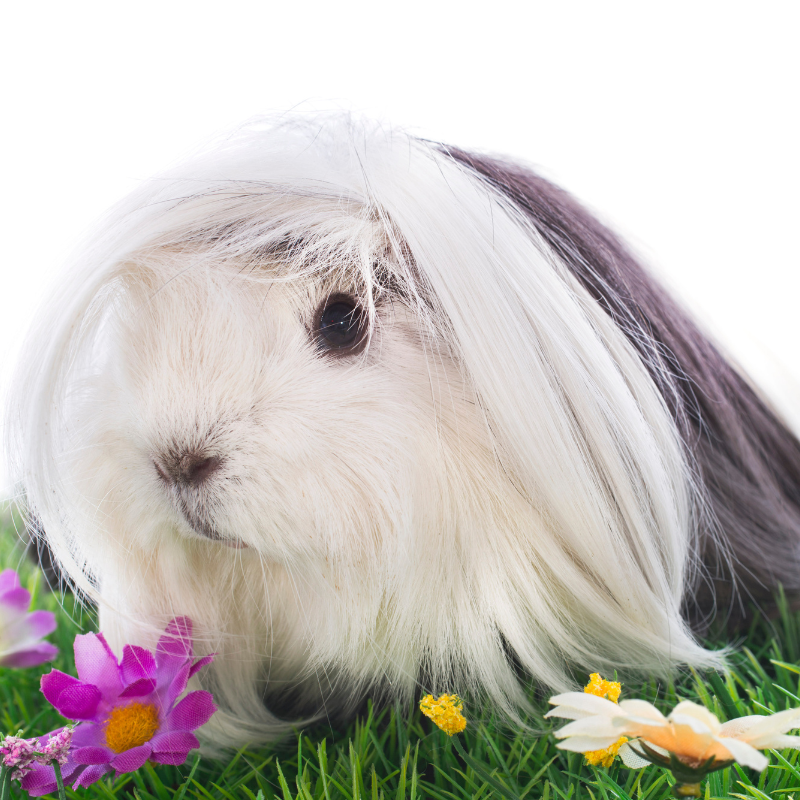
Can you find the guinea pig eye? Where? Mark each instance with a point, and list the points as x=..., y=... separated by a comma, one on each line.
x=341, y=325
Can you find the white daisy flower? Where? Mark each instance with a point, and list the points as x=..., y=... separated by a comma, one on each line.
x=691, y=733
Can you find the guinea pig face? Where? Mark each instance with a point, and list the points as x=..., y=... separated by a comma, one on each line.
x=376, y=416
x=265, y=412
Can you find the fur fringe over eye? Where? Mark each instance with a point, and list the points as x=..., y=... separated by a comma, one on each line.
x=382, y=415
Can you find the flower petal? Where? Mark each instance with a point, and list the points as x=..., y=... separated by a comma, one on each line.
x=589, y=726
x=587, y=744
x=694, y=724
x=175, y=759
x=97, y=664
x=139, y=688
x=132, y=759
x=78, y=702
x=743, y=753
x=54, y=683
x=137, y=663
x=645, y=711
x=631, y=722
x=200, y=663
x=759, y=731
x=42, y=780
x=92, y=755
x=40, y=623
x=91, y=775
x=8, y=580
x=193, y=711
x=176, y=687
x=735, y=727
x=175, y=742
x=630, y=758
x=176, y=641
x=30, y=656
x=783, y=742
x=687, y=710
x=575, y=705
x=88, y=734
x=18, y=599
x=37, y=778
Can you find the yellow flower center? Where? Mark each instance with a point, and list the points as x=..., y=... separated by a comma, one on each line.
x=445, y=712
x=131, y=726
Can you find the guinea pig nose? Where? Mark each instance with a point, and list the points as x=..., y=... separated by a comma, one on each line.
x=187, y=469
x=196, y=469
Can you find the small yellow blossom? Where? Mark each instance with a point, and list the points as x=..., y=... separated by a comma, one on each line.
x=605, y=758
x=445, y=712
x=608, y=689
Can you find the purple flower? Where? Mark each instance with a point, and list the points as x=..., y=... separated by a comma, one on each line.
x=127, y=711
x=21, y=632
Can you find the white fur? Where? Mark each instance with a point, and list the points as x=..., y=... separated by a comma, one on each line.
x=496, y=472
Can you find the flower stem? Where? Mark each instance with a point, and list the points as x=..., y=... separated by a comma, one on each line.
x=62, y=795
x=5, y=782
x=687, y=790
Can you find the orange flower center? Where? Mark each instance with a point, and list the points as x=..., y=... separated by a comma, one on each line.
x=131, y=726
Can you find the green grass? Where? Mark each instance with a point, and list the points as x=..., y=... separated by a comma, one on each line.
x=395, y=753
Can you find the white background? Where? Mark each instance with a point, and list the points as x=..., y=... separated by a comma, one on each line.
x=677, y=122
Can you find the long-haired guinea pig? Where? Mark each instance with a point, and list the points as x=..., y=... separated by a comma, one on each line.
x=381, y=414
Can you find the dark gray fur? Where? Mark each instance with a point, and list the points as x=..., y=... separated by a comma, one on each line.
x=744, y=457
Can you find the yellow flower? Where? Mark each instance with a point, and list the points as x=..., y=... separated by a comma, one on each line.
x=608, y=689
x=605, y=757
x=445, y=712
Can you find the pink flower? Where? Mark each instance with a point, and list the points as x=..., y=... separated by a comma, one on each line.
x=21, y=632
x=127, y=710
x=19, y=755
x=57, y=747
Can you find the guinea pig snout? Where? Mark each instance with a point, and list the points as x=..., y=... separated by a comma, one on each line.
x=186, y=469
x=188, y=475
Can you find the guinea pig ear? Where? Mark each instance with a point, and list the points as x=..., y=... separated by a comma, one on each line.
x=746, y=459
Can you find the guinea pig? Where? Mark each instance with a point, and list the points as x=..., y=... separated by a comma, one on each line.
x=381, y=414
